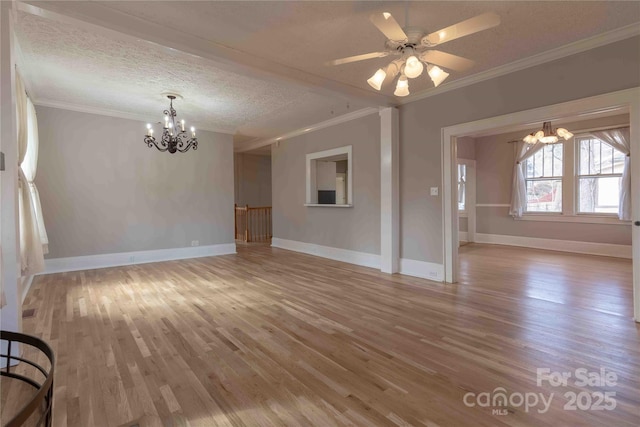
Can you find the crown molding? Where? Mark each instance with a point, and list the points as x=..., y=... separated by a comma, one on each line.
x=579, y=46
x=112, y=113
x=261, y=142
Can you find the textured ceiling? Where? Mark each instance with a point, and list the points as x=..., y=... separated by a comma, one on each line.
x=68, y=63
x=304, y=35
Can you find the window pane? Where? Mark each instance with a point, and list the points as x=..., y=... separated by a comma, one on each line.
x=544, y=195
x=599, y=195
x=547, y=153
x=595, y=157
x=462, y=180
x=585, y=151
x=537, y=164
x=557, y=159
x=528, y=168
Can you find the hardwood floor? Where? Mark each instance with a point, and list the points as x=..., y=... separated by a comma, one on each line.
x=271, y=337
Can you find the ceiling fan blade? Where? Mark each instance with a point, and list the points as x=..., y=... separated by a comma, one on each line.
x=461, y=29
x=447, y=60
x=387, y=24
x=357, y=58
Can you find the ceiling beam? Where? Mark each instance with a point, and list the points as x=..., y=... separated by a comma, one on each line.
x=116, y=24
x=262, y=142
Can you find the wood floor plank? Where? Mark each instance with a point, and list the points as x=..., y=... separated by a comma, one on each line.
x=270, y=337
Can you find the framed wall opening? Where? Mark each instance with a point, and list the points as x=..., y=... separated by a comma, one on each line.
x=626, y=100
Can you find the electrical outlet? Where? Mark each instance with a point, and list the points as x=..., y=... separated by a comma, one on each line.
x=195, y=243
x=434, y=191
x=433, y=274
x=132, y=259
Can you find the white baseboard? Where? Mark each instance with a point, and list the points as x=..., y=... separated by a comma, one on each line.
x=345, y=255
x=60, y=265
x=590, y=248
x=423, y=269
x=463, y=236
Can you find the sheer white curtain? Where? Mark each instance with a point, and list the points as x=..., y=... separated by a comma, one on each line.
x=519, y=188
x=620, y=139
x=29, y=167
x=31, y=253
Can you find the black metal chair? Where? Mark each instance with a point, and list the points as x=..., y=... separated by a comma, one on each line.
x=43, y=398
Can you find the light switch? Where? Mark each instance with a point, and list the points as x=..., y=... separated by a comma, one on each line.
x=434, y=191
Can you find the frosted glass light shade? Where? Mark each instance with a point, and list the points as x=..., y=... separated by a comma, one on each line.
x=437, y=74
x=376, y=80
x=402, y=87
x=563, y=133
x=413, y=67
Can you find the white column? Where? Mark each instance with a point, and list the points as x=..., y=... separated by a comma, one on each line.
x=11, y=312
x=449, y=206
x=389, y=191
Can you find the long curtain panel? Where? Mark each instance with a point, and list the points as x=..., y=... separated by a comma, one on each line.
x=29, y=167
x=31, y=254
x=518, y=187
x=620, y=139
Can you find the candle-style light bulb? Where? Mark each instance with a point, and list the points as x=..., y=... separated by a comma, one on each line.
x=193, y=132
x=149, y=130
x=182, y=124
x=166, y=121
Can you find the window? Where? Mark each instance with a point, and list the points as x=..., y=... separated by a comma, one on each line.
x=462, y=187
x=543, y=179
x=599, y=174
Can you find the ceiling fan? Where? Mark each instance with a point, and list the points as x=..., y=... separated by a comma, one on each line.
x=415, y=50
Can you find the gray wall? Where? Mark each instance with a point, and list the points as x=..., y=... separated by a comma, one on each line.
x=356, y=228
x=574, y=77
x=252, y=180
x=104, y=191
x=466, y=148
x=494, y=170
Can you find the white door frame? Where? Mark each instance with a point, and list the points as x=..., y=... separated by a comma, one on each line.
x=628, y=99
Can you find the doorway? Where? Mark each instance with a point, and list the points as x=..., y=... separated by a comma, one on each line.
x=629, y=100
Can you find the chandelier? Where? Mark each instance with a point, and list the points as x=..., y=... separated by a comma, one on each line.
x=174, y=137
x=547, y=135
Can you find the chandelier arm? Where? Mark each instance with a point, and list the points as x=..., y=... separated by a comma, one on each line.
x=151, y=142
x=192, y=143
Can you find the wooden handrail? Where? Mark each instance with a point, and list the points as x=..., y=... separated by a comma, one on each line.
x=253, y=224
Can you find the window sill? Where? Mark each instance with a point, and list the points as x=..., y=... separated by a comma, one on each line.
x=584, y=219
x=317, y=205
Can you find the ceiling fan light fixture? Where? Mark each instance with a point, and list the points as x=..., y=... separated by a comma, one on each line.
x=376, y=80
x=437, y=74
x=563, y=133
x=402, y=87
x=413, y=67
x=547, y=135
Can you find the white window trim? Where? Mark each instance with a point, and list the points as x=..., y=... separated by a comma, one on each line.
x=310, y=201
x=570, y=182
